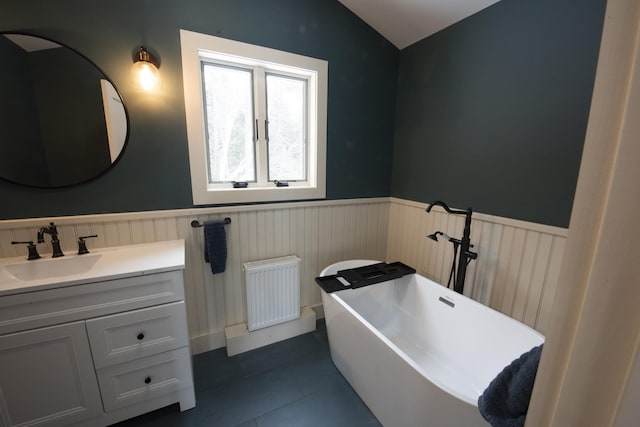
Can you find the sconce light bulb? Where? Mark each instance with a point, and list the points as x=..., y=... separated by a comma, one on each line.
x=145, y=73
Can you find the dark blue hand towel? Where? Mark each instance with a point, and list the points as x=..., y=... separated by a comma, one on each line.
x=506, y=400
x=215, y=245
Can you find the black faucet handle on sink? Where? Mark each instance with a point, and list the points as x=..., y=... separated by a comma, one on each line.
x=82, y=245
x=33, y=251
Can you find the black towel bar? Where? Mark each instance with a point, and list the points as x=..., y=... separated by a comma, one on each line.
x=195, y=223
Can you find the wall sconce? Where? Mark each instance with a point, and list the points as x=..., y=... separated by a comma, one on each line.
x=145, y=72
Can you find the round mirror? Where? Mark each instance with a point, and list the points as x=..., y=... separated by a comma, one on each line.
x=62, y=122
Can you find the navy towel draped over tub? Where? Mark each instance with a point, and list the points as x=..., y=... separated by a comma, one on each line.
x=505, y=402
x=215, y=245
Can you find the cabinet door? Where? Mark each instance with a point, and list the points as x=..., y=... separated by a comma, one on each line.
x=47, y=377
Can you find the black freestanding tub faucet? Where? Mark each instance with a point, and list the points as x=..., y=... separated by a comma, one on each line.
x=458, y=272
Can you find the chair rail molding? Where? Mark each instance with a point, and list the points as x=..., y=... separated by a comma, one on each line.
x=516, y=271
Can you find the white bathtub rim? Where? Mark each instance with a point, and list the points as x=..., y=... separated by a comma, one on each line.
x=449, y=292
x=353, y=263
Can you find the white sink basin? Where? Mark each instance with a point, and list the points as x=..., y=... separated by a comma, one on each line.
x=18, y=275
x=55, y=267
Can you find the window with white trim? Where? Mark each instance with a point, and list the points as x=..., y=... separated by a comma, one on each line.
x=256, y=121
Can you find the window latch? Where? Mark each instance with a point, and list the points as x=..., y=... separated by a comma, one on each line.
x=281, y=183
x=242, y=184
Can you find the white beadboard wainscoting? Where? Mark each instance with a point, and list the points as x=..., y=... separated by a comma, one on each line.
x=518, y=262
x=516, y=271
x=319, y=233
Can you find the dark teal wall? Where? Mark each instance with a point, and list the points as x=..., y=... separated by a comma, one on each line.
x=492, y=111
x=154, y=171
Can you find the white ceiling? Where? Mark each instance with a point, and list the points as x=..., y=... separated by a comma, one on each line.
x=404, y=22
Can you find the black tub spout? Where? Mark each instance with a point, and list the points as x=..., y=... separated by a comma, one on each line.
x=445, y=207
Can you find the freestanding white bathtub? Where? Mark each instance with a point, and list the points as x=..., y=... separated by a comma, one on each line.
x=417, y=353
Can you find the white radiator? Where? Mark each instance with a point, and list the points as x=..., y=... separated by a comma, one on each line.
x=273, y=291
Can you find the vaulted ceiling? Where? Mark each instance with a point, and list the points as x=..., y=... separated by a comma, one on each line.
x=404, y=22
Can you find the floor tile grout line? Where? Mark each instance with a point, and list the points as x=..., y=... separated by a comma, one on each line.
x=304, y=396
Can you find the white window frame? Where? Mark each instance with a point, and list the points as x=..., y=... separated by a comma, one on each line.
x=195, y=47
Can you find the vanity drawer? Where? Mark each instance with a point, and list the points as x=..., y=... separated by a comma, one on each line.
x=127, y=336
x=148, y=378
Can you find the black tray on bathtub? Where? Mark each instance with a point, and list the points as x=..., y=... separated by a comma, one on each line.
x=363, y=276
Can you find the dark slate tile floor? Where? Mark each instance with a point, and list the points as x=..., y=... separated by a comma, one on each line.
x=290, y=383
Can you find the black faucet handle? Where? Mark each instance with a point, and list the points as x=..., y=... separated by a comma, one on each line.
x=33, y=251
x=82, y=245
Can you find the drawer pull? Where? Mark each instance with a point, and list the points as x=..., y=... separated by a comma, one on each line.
x=147, y=380
x=140, y=336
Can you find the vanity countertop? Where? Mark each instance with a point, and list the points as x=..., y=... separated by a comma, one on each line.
x=99, y=265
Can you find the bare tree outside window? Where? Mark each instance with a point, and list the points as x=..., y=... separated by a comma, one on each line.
x=229, y=119
x=286, y=112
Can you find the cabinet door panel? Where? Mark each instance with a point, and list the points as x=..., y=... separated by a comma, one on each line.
x=47, y=377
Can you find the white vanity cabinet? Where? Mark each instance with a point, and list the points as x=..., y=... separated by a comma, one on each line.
x=95, y=353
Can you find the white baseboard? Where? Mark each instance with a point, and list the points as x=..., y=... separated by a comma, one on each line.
x=239, y=339
x=318, y=309
x=210, y=341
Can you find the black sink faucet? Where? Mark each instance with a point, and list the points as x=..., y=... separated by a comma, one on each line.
x=55, y=243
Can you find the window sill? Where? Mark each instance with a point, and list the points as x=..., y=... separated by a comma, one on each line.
x=255, y=195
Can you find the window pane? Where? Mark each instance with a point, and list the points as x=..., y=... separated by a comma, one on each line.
x=229, y=123
x=286, y=113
